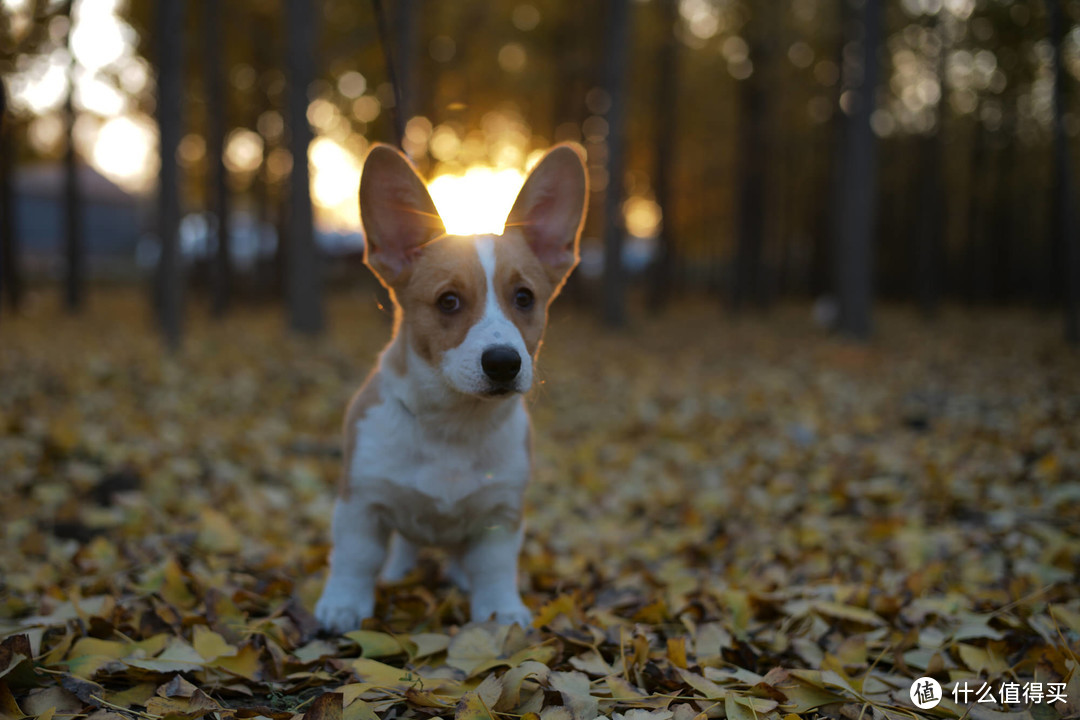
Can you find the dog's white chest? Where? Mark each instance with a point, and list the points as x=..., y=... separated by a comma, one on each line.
x=436, y=490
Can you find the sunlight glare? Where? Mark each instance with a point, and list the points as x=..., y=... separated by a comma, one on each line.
x=335, y=177
x=477, y=202
x=42, y=86
x=125, y=151
x=99, y=38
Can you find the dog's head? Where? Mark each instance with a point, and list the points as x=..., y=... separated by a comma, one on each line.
x=473, y=308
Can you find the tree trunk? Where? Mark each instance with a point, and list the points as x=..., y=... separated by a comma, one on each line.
x=397, y=113
x=855, y=256
x=406, y=30
x=10, y=274
x=217, y=180
x=974, y=250
x=931, y=229
x=824, y=275
x=617, y=50
x=1064, y=225
x=304, y=284
x=568, y=70
x=74, y=245
x=752, y=158
x=169, y=295
x=667, y=97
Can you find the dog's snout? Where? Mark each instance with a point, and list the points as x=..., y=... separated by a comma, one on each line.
x=501, y=363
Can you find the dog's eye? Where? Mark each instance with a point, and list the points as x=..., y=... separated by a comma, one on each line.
x=523, y=298
x=449, y=302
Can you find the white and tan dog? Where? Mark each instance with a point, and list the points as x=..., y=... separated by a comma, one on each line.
x=437, y=446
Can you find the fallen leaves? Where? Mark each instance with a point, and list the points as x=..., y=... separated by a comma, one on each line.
x=727, y=520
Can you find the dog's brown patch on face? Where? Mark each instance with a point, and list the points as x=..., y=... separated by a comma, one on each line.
x=448, y=264
x=517, y=268
x=365, y=398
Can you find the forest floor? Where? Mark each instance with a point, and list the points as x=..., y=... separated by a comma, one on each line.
x=729, y=517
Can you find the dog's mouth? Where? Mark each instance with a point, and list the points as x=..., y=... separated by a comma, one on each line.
x=500, y=390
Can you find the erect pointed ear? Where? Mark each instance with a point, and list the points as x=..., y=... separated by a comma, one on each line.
x=550, y=209
x=397, y=213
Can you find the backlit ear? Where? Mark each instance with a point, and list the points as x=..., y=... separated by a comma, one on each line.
x=397, y=213
x=550, y=209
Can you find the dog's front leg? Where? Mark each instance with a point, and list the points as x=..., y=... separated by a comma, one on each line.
x=359, y=550
x=490, y=564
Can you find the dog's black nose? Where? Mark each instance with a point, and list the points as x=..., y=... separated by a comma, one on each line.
x=501, y=363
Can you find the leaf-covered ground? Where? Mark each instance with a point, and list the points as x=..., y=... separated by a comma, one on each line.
x=741, y=518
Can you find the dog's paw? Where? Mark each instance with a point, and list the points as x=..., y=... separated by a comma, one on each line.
x=516, y=616
x=339, y=612
x=505, y=614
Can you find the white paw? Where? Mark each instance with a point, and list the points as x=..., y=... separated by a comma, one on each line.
x=508, y=613
x=340, y=611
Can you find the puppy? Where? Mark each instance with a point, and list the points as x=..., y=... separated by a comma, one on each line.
x=437, y=446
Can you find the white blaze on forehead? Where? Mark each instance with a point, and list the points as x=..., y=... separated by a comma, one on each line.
x=461, y=365
x=501, y=330
x=485, y=248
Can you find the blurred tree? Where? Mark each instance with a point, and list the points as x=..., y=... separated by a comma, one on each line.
x=74, y=245
x=1065, y=227
x=829, y=221
x=217, y=179
x=930, y=192
x=270, y=196
x=976, y=220
x=617, y=53
x=304, y=286
x=407, y=33
x=169, y=107
x=398, y=112
x=10, y=275
x=571, y=65
x=666, y=108
x=17, y=41
x=855, y=251
x=753, y=160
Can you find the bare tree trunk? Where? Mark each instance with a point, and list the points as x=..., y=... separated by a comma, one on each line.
x=667, y=97
x=74, y=246
x=406, y=26
x=217, y=190
x=1064, y=225
x=977, y=227
x=931, y=228
x=397, y=114
x=569, y=69
x=855, y=256
x=752, y=158
x=170, y=19
x=268, y=199
x=304, y=273
x=830, y=220
x=10, y=274
x=617, y=49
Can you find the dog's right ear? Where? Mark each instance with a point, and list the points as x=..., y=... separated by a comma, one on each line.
x=397, y=213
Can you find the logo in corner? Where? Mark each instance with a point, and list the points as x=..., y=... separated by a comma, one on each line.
x=925, y=693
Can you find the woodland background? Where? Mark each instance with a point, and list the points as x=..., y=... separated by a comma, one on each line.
x=917, y=150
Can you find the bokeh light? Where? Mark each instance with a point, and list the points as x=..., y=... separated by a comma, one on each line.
x=334, y=183
x=125, y=151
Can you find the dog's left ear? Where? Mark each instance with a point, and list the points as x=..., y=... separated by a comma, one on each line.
x=397, y=212
x=550, y=209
